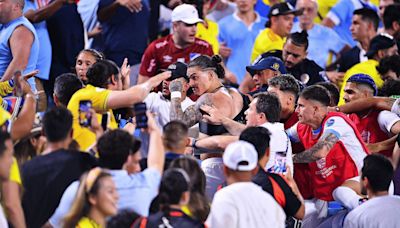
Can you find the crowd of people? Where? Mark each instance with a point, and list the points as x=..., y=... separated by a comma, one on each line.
x=199, y=113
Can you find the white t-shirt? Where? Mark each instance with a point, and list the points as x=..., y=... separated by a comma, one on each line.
x=378, y=212
x=245, y=204
x=279, y=142
x=3, y=220
x=161, y=106
x=396, y=107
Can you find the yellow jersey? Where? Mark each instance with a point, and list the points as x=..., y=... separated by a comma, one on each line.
x=266, y=41
x=4, y=115
x=86, y=222
x=5, y=88
x=209, y=34
x=367, y=67
x=14, y=172
x=98, y=96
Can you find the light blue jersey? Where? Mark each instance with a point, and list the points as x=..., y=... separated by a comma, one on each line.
x=240, y=38
x=341, y=14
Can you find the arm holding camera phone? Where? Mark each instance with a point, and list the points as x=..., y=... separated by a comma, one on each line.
x=156, y=156
x=22, y=126
x=135, y=94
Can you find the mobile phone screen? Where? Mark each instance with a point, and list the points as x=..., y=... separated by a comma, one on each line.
x=85, y=117
x=141, y=117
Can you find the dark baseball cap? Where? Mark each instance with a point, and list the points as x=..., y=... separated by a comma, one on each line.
x=178, y=70
x=380, y=42
x=364, y=79
x=264, y=63
x=283, y=8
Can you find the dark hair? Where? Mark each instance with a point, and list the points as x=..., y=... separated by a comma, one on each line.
x=391, y=15
x=96, y=54
x=174, y=134
x=286, y=83
x=379, y=171
x=198, y=203
x=124, y=218
x=4, y=136
x=57, y=124
x=114, y=147
x=65, y=86
x=390, y=87
x=389, y=63
x=368, y=15
x=198, y=4
x=333, y=92
x=270, y=105
x=173, y=184
x=207, y=62
x=100, y=73
x=299, y=39
x=316, y=93
x=259, y=137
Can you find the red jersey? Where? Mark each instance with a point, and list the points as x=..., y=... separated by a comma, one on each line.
x=370, y=127
x=343, y=160
x=162, y=52
x=301, y=172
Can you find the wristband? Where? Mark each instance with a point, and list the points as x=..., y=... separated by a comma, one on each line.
x=176, y=94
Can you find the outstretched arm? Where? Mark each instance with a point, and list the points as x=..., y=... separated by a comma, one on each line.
x=381, y=103
x=318, y=151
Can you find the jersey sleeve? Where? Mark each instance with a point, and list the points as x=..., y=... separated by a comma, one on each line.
x=99, y=99
x=340, y=11
x=386, y=121
x=15, y=175
x=396, y=107
x=292, y=133
x=337, y=126
x=258, y=46
x=148, y=67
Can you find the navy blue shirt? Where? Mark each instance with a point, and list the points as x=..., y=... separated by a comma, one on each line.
x=65, y=29
x=125, y=34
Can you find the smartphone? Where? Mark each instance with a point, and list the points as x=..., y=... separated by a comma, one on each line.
x=105, y=119
x=140, y=113
x=85, y=117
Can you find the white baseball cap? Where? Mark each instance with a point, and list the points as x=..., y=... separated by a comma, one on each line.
x=240, y=156
x=186, y=13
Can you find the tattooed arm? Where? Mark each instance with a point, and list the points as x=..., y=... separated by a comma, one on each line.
x=192, y=114
x=318, y=151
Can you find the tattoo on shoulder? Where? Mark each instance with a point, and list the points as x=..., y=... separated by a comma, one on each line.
x=318, y=151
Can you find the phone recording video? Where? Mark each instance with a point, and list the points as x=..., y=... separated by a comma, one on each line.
x=140, y=113
x=85, y=116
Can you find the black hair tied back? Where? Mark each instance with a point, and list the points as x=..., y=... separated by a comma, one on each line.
x=217, y=60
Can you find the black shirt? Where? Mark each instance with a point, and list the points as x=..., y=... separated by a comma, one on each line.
x=349, y=59
x=292, y=204
x=308, y=72
x=45, y=179
x=173, y=218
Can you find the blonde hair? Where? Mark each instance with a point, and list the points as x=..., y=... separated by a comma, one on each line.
x=89, y=185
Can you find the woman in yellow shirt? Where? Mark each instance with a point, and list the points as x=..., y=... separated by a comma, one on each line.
x=95, y=201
